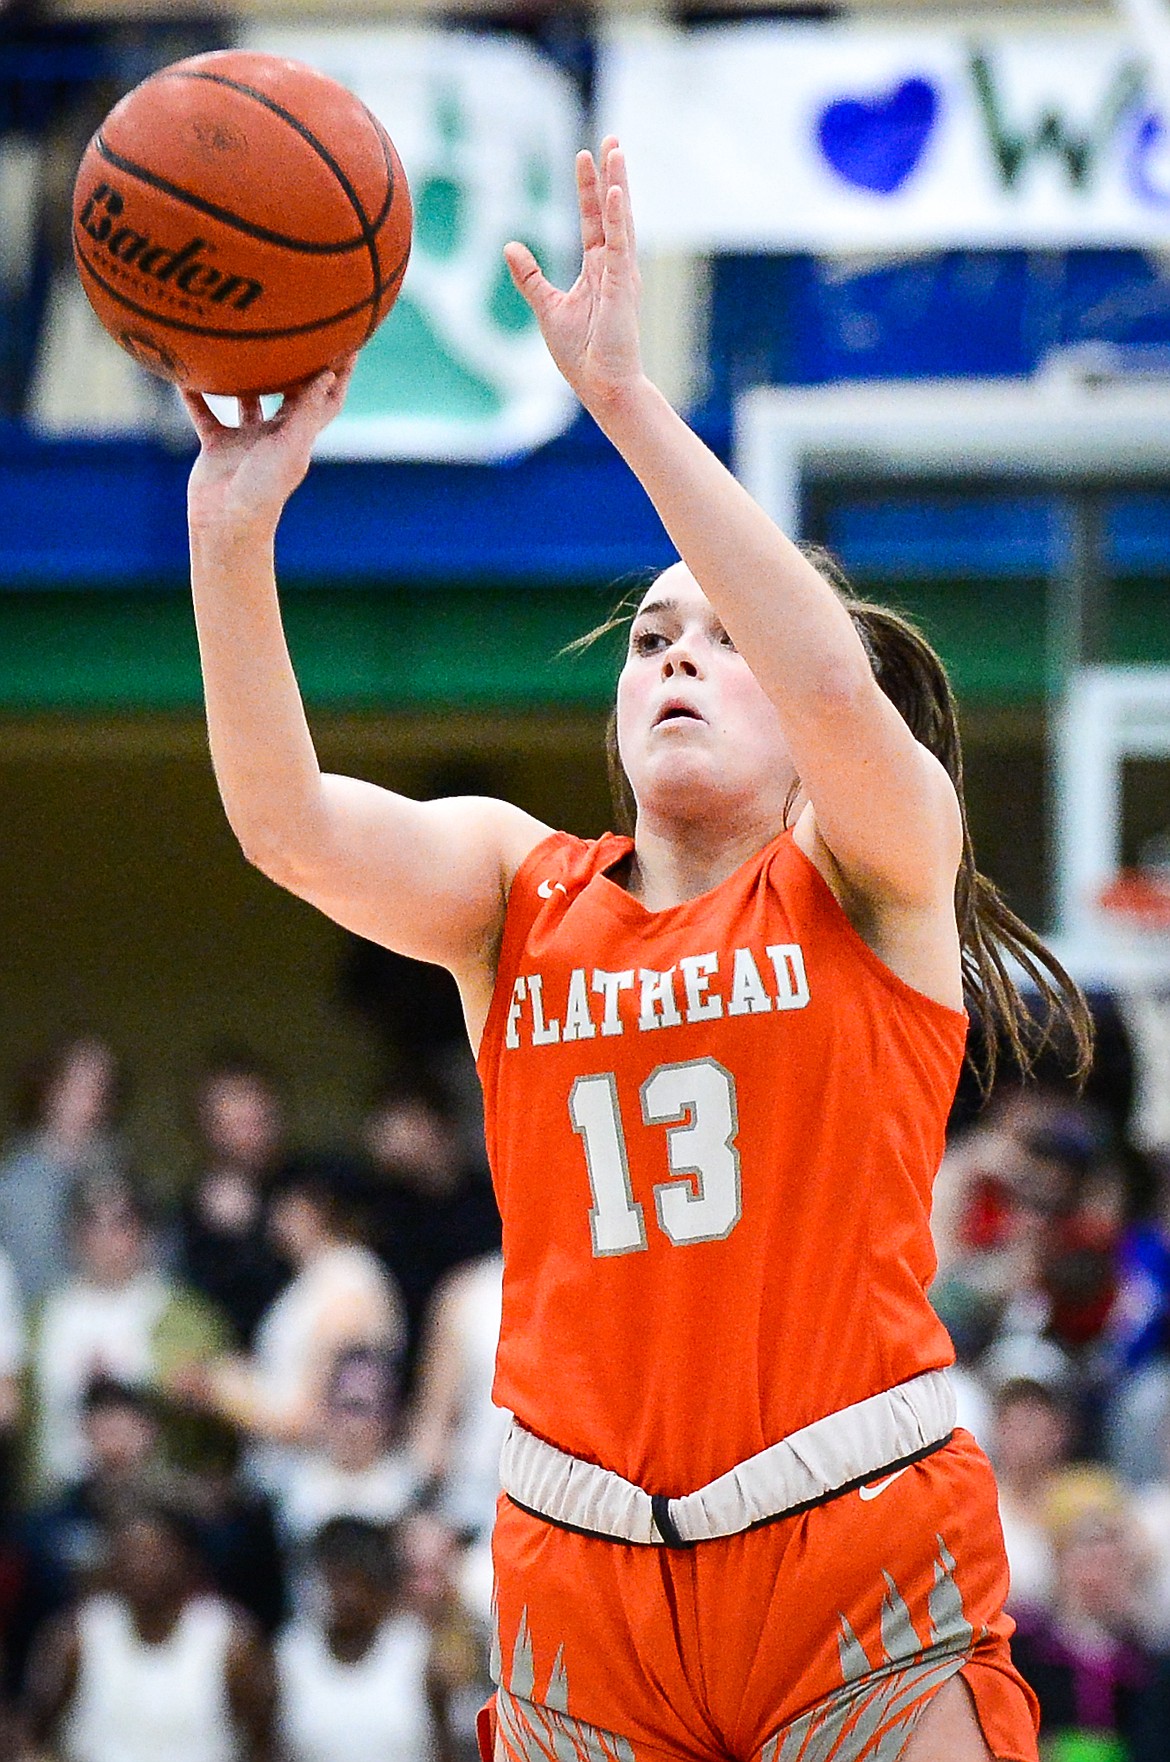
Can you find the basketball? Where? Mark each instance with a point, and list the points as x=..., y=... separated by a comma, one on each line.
x=240, y=221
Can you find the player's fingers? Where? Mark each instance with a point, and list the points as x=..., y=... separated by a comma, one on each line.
x=617, y=225
x=307, y=399
x=617, y=173
x=589, y=202
x=204, y=421
x=528, y=276
x=342, y=374
x=251, y=414
x=605, y=172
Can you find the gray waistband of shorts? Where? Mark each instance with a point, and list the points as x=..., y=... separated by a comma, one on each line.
x=828, y=1457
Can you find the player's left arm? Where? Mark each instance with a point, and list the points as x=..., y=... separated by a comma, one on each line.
x=885, y=809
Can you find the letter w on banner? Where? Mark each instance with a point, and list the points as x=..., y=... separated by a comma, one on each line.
x=832, y=139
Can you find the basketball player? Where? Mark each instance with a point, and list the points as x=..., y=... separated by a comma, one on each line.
x=717, y=1060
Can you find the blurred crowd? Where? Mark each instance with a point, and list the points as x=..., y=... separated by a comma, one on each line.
x=1052, y=1226
x=249, y=1450
x=250, y=1456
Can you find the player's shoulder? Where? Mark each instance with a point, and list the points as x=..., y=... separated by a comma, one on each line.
x=561, y=862
x=509, y=827
x=495, y=837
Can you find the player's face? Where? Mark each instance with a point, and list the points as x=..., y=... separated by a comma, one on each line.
x=696, y=733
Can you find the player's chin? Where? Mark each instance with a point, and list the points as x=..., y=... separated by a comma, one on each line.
x=688, y=780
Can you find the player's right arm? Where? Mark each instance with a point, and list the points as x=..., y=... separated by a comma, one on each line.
x=429, y=879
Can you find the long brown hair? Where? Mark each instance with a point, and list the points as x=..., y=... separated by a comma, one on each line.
x=992, y=937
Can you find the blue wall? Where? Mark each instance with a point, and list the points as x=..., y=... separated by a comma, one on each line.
x=95, y=515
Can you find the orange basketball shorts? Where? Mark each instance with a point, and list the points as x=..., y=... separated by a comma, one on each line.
x=817, y=1638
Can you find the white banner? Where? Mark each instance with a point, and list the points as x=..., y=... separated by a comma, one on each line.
x=831, y=139
x=487, y=130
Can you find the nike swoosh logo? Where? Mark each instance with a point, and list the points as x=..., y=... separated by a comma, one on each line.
x=880, y=1486
x=548, y=888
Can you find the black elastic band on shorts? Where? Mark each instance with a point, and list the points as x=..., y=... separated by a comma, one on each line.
x=665, y=1524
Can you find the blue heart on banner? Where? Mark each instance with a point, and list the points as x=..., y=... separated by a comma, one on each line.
x=877, y=144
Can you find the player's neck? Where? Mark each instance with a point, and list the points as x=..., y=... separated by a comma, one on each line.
x=669, y=866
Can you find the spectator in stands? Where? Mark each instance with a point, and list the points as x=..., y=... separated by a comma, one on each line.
x=972, y=1394
x=67, y=1111
x=238, y=1528
x=430, y=1206
x=357, y=1465
x=985, y=1165
x=67, y=1538
x=997, y=1204
x=12, y=1586
x=1151, y=1503
x=353, y=1679
x=68, y=1535
x=1030, y=1445
x=458, y=1431
x=226, y=1249
x=118, y=1315
x=340, y=1296
x=1137, y=1338
x=1085, y=1657
x=1138, y=1331
x=154, y=1669
x=1034, y=1246
x=13, y=1349
x=444, y=1582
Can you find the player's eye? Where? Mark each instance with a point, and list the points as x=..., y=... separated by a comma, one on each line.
x=647, y=642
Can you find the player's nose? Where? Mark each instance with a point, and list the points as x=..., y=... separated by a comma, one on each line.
x=680, y=660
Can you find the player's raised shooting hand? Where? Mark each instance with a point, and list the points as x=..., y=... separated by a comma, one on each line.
x=592, y=329
x=244, y=476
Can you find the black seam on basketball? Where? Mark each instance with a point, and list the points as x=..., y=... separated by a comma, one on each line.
x=375, y=226
x=264, y=234
x=235, y=336
x=388, y=157
x=369, y=234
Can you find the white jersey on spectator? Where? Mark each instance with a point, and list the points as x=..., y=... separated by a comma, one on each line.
x=88, y=1331
x=344, y=1277
x=472, y=1484
x=347, y=1280
x=315, y=1490
x=141, y=1703
x=373, y=1711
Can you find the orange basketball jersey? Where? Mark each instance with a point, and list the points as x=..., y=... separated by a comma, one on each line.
x=713, y=1132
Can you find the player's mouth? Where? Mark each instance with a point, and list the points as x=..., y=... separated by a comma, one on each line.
x=677, y=710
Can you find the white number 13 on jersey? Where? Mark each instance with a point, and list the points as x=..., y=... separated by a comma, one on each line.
x=696, y=1104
